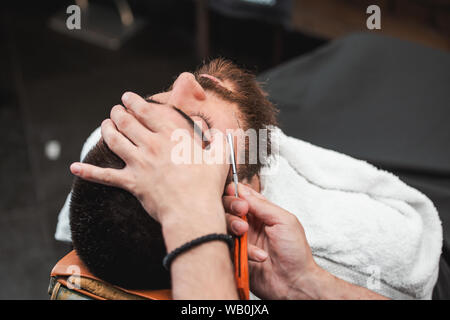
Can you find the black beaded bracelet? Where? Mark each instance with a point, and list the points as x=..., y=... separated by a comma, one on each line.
x=167, y=261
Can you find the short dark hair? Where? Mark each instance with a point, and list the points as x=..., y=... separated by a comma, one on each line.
x=113, y=235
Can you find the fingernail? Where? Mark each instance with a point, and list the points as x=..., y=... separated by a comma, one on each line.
x=261, y=255
x=125, y=96
x=237, y=206
x=237, y=226
x=75, y=168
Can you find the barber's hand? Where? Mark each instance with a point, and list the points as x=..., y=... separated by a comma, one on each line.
x=141, y=135
x=280, y=258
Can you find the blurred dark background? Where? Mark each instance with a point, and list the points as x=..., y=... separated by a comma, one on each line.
x=55, y=87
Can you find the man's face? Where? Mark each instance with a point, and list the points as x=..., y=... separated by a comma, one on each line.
x=201, y=105
x=208, y=108
x=223, y=104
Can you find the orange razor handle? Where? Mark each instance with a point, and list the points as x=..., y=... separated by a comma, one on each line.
x=241, y=266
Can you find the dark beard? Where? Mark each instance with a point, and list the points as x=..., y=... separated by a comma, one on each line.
x=244, y=171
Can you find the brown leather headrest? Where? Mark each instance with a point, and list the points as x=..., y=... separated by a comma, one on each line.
x=71, y=264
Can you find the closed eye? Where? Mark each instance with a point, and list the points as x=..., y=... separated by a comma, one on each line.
x=205, y=118
x=196, y=128
x=151, y=100
x=200, y=114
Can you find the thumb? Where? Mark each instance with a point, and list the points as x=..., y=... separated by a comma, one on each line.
x=259, y=206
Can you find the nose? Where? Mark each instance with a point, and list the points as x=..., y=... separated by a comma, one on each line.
x=186, y=88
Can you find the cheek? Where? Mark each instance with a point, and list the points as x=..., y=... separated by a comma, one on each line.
x=223, y=120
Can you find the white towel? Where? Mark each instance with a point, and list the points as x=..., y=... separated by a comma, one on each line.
x=63, y=227
x=363, y=224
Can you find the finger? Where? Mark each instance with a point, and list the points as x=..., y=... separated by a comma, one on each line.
x=106, y=176
x=256, y=254
x=243, y=188
x=254, y=267
x=129, y=126
x=134, y=102
x=229, y=189
x=235, y=205
x=151, y=115
x=236, y=225
x=115, y=141
x=260, y=208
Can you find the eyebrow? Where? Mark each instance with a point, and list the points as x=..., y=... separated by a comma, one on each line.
x=195, y=127
x=221, y=91
x=216, y=80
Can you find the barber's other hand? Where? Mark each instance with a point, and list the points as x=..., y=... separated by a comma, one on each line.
x=280, y=259
x=142, y=136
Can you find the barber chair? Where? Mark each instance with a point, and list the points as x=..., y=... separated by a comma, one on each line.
x=379, y=99
x=71, y=280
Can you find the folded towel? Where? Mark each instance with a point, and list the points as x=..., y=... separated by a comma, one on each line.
x=63, y=232
x=363, y=224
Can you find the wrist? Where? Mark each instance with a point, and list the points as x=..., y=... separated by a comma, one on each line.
x=311, y=285
x=183, y=224
x=322, y=285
